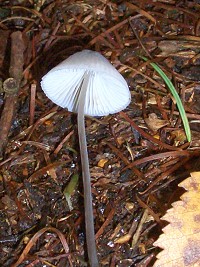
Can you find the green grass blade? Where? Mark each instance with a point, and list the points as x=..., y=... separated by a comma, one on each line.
x=176, y=97
x=69, y=190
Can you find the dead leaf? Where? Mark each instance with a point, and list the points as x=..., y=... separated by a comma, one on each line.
x=154, y=123
x=123, y=239
x=179, y=136
x=102, y=162
x=181, y=238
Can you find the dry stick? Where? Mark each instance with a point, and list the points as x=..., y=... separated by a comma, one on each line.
x=139, y=229
x=138, y=38
x=59, y=147
x=32, y=104
x=157, y=156
x=11, y=87
x=34, y=239
x=106, y=222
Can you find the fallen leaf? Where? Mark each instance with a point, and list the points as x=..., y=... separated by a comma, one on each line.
x=181, y=238
x=179, y=136
x=154, y=123
x=102, y=162
x=123, y=239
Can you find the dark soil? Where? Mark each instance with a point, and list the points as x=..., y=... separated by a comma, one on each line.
x=137, y=157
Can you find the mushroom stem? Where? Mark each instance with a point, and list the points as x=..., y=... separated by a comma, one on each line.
x=89, y=218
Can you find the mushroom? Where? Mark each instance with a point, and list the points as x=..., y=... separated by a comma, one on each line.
x=86, y=83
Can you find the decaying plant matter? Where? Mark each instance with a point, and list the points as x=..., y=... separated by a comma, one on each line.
x=181, y=239
x=137, y=156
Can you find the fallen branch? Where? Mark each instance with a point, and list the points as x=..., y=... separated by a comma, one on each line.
x=11, y=88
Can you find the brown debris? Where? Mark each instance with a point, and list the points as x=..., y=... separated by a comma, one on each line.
x=11, y=87
x=181, y=238
x=137, y=157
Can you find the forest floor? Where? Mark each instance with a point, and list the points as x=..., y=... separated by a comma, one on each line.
x=137, y=156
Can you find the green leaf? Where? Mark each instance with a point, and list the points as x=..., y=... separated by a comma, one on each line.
x=176, y=97
x=69, y=190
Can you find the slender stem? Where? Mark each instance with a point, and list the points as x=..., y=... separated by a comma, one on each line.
x=89, y=218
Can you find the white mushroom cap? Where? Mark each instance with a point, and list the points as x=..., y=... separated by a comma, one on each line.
x=107, y=91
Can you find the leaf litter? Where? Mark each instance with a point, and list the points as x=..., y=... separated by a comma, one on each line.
x=137, y=157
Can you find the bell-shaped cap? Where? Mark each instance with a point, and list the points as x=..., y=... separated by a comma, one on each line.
x=107, y=91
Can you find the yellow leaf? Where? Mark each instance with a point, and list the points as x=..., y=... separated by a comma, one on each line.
x=102, y=162
x=181, y=238
x=123, y=239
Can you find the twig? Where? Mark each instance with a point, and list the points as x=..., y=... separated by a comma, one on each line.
x=34, y=239
x=32, y=104
x=139, y=40
x=59, y=147
x=139, y=229
x=11, y=87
